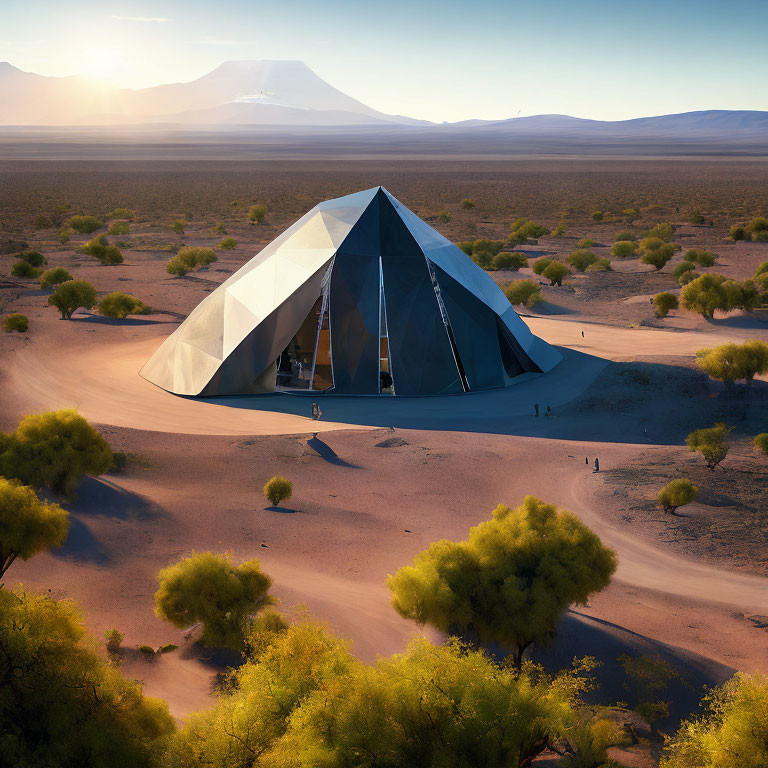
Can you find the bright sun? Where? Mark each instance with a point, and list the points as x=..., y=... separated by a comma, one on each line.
x=105, y=64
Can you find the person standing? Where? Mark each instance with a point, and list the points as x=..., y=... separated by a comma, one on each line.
x=597, y=464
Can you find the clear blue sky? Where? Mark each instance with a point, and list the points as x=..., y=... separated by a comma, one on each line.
x=606, y=59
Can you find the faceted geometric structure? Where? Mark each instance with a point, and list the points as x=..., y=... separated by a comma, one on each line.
x=359, y=296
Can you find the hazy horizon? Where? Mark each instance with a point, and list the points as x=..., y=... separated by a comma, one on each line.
x=434, y=61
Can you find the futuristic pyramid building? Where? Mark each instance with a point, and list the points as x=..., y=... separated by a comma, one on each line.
x=359, y=296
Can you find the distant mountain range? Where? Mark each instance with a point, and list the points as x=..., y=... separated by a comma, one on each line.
x=259, y=95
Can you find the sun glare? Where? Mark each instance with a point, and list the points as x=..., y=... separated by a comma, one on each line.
x=105, y=64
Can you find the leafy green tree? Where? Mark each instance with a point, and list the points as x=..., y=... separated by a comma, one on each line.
x=732, y=732
x=624, y=249
x=677, y=493
x=580, y=260
x=100, y=249
x=555, y=272
x=119, y=305
x=732, y=362
x=35, y=258
x=27, y=525
x=53, y=277
x=664, y=302
x=649, y=678
x=62, y=703
x=525, y=292
x=701, y=257
x=257, y=213
x=209, y=589
x=228, y=243
x=24, y=270
x=511, y=581
x=72, y=295
x=704, y=295
x=16, y=322
x=509, y=261
x=84, y=224
x=54, y=450
x=663, y=231
x=761, y=442
x=278, y=489
x=119, y=228
x=711, y=443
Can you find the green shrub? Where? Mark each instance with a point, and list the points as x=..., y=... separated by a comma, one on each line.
x=257, y=213
x=178, y=227
x=597, y=216
x=72, y=295
x=663, y=231
x=24, y=269
x=630, y=214
x=555, y=272
x=624, y=249
x=687, y=276
x=167, y=648
x=700, y=257
x=664, y=302
x=189, y=259
x=523, y=230
x=467, y=203
x=54, y=277
x=733, y=362
x=208, y=588
x=219, y=229
x=467, y=246
x=711, y=291
x=696, y=217
x=278, y=489
x=121, y=213
x=100, y=249
x=113, y=637
x=119, y=228
x=761, y=442
x=737, y=233
x=651, y=244
x=35, y=258
x=601, y=265
x=16, y=322
x=119, y=461
x=42, y=221
x=443, y=217
x=585, y=244
x=625, y=236
x=660, y=256
x=677, y=493
x=509, y=261
x=64, y=235
x=711, y=443
x=228, y=243
x=682, y=268
x=119, y=305
x=762, y=269
x=541, y=264
x=580, y=260
x=84, y=224
x=525, y=292
x=146, y=650
x=54, y=450
x=757, y=229
x=558, y=231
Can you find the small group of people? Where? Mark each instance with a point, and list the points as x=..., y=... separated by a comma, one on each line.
x=597, y=463
x=536, y=410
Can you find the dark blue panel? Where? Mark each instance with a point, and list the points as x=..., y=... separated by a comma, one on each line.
x=420, y=352
x=473, y=324
x=354, y=307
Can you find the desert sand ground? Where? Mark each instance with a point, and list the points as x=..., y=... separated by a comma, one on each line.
x=381, y=479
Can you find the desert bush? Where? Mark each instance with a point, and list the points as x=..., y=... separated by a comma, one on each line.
x=121, y=213
x=84, y=224
x=63, y=704
x=677, y=493
x=35, y=258
x=733, y=362
x=555, y=272
x=711, y=291
x=496, y=586
x=53, y=277
x=54, y=450
x=218, y=228
x=278, y=489
x=663, y=231
x=523, y=230
x=625, y=236
x=624, y=249
x=580, y=260
x=210, y=589
x=711, y=443
x=228, y=243
x=664, y=302
x=585, y=244
x=630, y=214
x=72, y=295
x=119, y=305
x=762, y=269
x=649, y=677
x=757, y=229
x=650, y=244
x=601, y=265
x=64, y=235
x=43, y=221
x=119, y=228
x=731, y=733
x=597, y=215
x=257, y=213
x=541, y=264
x=700, y=257
x=443, y=217
x=16, y=322
x=167, y=648
x=737, y=232
x=687, y=276
x=467, y=246
x=189, y=259
x=113, y=637
x=484, y=252
x=696, y=217
x=24, y=270
x=27, y=524
x=509, y=261
x=682, y=268
x=558, y=231
x=178, y=227
x=525, y=292
x=658, y=257
x=467, y=203
x=102, y=251
x=761, y=442
x=119, y=461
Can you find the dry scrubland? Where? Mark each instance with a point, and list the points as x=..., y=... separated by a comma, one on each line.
x=365, y=501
